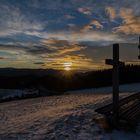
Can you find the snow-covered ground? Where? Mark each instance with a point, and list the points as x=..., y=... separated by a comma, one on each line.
x=65, y=117
x=123, y=88
x=11, y=93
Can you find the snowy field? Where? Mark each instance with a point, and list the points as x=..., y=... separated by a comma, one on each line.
x=67, y=117
x=11, y=93
x=123, y=88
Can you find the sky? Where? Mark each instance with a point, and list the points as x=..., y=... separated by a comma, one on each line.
x=67, y=34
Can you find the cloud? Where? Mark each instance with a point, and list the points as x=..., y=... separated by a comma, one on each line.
x=69, y=17
x=89, y=26
x=97, y=24
x=38, y=50
x=85, y=10
x=50, y=47
x=1, y=58
x=96, y=36
x=72, y=26
x=86, y=28
x=60, y=47
x=13, y=21
x=131, y=22
x=111, y=13
x=39, y=63
x=51, y=53
x=55, y=32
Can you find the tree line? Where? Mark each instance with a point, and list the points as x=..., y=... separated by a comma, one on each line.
x=58, y=81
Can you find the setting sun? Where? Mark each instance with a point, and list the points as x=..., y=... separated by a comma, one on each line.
x=67, y=66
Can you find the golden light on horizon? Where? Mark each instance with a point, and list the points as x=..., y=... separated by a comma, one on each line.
x=67, y=66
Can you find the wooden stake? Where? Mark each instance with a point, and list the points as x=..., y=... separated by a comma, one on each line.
x=115, y=79
x=115, y=83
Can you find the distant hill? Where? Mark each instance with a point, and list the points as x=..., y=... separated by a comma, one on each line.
x=12, y=72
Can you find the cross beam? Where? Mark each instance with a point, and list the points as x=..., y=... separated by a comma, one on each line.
x=116, y=64
x=111, y=62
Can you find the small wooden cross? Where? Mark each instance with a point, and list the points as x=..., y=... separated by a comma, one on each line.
x=116, y=64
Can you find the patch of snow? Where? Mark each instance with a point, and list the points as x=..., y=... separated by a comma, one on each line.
x=123, y=88
x=66, y=117
x=11, y=93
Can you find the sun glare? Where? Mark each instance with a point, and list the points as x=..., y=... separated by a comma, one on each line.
x=67, y=66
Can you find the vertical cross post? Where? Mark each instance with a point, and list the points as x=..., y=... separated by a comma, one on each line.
x=115, y=79
x=139, y=48
x=115, y=82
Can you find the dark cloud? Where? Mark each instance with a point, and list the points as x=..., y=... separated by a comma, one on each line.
x=36, y=50
x=1, y=58
x=39, y=63
x=48, y=46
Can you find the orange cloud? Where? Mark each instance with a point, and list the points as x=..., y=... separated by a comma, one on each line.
x=89, y=26
x=111, y=13
x=131, y=22
x=97, y=24
x=60, y=47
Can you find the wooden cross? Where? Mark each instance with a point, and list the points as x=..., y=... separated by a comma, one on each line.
x=116, y=64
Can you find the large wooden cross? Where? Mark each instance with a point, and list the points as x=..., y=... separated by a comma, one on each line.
x=116, y=64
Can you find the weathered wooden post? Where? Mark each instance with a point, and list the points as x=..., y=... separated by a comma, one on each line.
x=116, y=64
x=139, y=48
